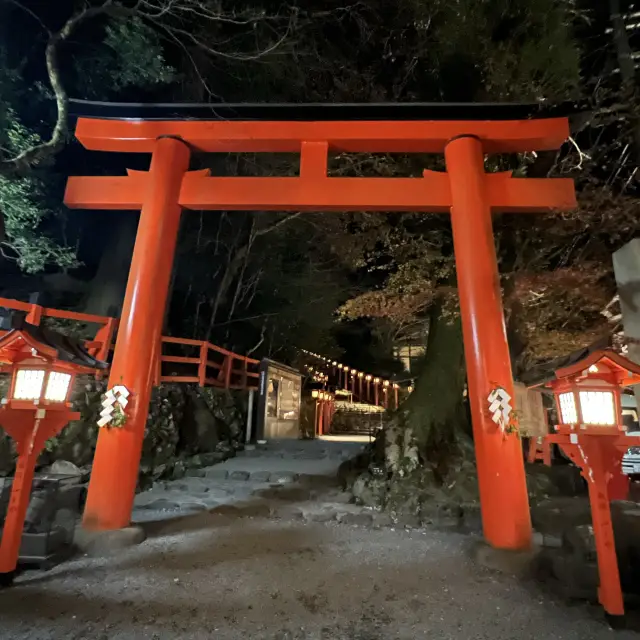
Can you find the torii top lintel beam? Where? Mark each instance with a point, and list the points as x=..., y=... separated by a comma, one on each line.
x=139, y=136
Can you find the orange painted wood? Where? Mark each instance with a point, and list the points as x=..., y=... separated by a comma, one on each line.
x=181, y=359
x=184, y=379
x=599, y=457
x=15, y=304
x=185, y=341
x=430, y=193
x=30, y=435
x=501, y=478
x=351, y=136
x=110, y=494
x=202, y=368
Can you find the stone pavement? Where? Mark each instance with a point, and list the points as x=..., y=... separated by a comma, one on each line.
x=284, y=479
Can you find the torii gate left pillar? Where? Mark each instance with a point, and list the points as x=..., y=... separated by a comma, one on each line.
x=466, y=191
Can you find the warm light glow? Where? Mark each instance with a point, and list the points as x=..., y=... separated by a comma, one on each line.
x=57, y=387
x=568, y=410
x=377, y=380
x=369, y=378
x=598, y=407
x=339, y=366
x=410, y=389
x=361, y=375
x=593, y=369
x=314, y=394
x=353, y=371
x=386, y=383
x=28, y=384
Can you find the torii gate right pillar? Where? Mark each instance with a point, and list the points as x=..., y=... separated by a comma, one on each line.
x=506, y=519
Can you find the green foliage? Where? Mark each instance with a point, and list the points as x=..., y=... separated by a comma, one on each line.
x=130, y=56
x=24, y=204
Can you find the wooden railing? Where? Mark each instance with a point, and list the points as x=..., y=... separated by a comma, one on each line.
x=207, y=364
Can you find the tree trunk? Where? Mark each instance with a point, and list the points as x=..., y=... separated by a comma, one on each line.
x=106, y=293
x=436, y=410
x=627, y=67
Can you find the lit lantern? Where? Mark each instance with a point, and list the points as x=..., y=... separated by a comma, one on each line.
x=588, y=393
x=42, y=364
x=591, y=434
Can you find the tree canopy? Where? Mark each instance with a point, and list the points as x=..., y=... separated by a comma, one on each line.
x=267, y=282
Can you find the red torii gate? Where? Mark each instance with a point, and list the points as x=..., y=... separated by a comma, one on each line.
x=465, y=190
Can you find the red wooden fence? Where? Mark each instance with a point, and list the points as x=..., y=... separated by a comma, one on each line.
x=208, y=364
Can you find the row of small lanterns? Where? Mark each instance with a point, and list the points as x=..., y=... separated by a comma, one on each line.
x=347, y=370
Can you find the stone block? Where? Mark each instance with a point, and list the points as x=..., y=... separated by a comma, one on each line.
x=195, y=473
x=261, y=476
x=282, y=478
x=239, y=475
x=381, y=519
x=104, y=543
x=362, y=519
x=215, y=474
x=518, y=563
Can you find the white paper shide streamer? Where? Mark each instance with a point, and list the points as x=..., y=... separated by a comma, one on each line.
x=114, y=402
x=500, y=407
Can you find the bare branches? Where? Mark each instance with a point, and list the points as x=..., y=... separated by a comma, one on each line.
x=175, y=19
x=35, y=154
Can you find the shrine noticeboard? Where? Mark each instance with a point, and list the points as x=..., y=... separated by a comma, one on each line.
x=532, y=419
x=278, y=401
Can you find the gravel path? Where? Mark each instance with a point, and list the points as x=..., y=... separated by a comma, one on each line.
x=215, y=576
x=229, y=559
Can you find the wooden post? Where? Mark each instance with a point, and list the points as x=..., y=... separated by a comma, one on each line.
x=202, y=367
x=115, y=466
x=29, y=429
x=501, y=478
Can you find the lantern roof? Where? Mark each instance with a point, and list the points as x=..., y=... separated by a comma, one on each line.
x=603, y=361
x=545, y=372
x=23, y=338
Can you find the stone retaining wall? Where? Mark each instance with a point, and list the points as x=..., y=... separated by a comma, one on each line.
x=185, y=423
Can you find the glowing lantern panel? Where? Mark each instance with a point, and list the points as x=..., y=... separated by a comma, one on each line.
x=28, y=385
x=57, y=386
x=568, y=408
x=597, y=407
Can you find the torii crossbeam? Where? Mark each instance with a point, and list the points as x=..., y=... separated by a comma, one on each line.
x=465, y=190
